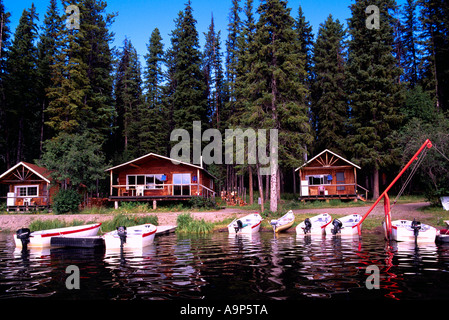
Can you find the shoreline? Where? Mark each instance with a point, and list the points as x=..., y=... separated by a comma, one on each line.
x=12, y=222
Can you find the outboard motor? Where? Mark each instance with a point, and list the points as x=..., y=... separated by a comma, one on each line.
x=337, y=226
x=24, y=235
x=239, y=226
x=416, y=226
x=121, y=232
x=308, y=225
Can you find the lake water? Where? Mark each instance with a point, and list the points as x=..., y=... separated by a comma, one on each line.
x=222, y=266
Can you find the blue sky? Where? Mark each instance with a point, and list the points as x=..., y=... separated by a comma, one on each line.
x=137, y=18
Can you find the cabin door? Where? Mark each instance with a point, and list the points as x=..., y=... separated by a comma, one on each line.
x=340, y=180
x=181, y=184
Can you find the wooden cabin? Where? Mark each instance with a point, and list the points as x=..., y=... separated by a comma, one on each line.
x=30, y=187
x=153, y=177
x=327, y=176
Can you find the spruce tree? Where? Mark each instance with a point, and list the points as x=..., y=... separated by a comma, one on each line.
x=277, y=95
x=375, y=94
x=47, y=50
x=5, y=160
x=155, y=122
x=23, y=112
x=409, y=39
x=128, y=101
x=435, y=40
x=187, y=79
x=329, y=101
x=213, y=73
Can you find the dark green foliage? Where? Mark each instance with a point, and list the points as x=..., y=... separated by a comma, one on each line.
x=22, y=109
x=66, y=201
x=375, y=93
x=74, y=159
x=128, y=102
x=189, y=99
x=329, y=100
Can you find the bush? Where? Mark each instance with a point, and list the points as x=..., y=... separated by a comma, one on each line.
x=66, y=201
x=201, y=202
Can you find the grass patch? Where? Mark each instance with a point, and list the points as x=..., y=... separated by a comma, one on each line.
x=127, y=221
x=39, y=224
x=186, y=224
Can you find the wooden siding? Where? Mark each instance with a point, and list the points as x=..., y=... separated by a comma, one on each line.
x=158, y=166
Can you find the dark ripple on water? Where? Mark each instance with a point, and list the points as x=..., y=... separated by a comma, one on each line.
x=222, y=266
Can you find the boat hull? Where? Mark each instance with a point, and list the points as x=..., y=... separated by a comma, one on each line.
x=349, y=226
x=43, y=238
x=319, y=224
x=251, y=224
x=401, y=231
x=136, y=237
x=283, y=223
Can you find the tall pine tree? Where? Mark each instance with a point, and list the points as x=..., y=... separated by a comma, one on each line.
x=155, y=123
x=329, y=101
x=276, y=94
x=23, y=112
x=128, y=102
x=375, y=94
x=189, y=100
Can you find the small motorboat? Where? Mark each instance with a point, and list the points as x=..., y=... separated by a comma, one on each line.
x=346, y=225
x=130, y=237
x=315, y=225
x=24, y=237
x=406, y=230
x=247, y=224
x=283, y=223
x=443, y=235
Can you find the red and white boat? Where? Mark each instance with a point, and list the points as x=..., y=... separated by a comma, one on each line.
x=407, y=230
x=131, y=237
x=42, y=238
x=345, y=226
x=315, y=225
x=247, y=224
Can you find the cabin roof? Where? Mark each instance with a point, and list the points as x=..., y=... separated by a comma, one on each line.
x=333, y=153
x=41, y=172
x=154, y=155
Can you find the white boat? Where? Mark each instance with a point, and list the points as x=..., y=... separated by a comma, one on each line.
x=42, y=238
x=443, y=235
x=131, y=237
x=345, y=226
x=406, y=230
x=247, y=224
x=315, y=225
x=283, y=223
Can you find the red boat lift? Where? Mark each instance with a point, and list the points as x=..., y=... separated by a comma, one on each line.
x=419, y=155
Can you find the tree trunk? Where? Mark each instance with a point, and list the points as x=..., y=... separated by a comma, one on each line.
x=260, y=183
x=250, y=185
x=376, y=183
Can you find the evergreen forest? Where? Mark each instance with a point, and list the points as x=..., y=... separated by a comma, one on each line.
x=75, y=104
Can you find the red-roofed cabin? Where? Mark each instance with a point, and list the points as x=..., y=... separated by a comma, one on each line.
x=153, y=177
x=30, y=187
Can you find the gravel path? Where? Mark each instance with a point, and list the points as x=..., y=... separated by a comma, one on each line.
x=13, y=222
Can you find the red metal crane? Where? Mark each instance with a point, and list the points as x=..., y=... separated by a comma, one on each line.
x=427, y=144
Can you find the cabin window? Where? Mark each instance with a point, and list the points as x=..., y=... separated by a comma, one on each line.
x=318, y=179
x=27, y=191
x=181, y=184
x=150, y=181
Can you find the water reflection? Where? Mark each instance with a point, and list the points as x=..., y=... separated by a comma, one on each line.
x=223, y=266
